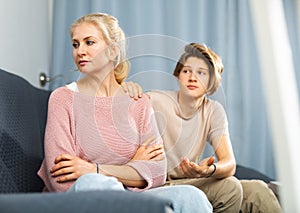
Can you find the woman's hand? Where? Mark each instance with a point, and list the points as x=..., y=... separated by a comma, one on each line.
x=134, y=90
x=149, y=152
x=68, y=167
x=192, y=170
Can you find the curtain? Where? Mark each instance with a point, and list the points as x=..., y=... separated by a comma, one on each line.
x=292, y=19
x=156, y=33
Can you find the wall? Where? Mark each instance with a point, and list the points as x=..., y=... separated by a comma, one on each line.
x=25, y=37
x=298, y=13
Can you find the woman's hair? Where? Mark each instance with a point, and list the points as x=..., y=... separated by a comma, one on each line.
x=113, y=36
x=212, y=60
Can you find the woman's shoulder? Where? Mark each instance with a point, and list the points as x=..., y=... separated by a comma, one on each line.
x=162, y=94
x=144, y=100
x=61, y=94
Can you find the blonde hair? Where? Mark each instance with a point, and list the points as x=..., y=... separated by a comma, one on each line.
x=113, y=36
x=212, y=60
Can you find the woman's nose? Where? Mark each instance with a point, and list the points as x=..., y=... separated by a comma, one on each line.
x=81, y=50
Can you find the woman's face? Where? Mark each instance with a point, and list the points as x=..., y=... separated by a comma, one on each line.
x=89, y=49
x=194, y=77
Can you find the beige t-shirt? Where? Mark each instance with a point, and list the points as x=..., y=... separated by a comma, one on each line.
x=186, y=136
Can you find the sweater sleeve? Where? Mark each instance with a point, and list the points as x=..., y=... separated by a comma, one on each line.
x=154, y=172
x=59, y=137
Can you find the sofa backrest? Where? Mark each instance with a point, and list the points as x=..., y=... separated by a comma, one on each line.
x=23, y=114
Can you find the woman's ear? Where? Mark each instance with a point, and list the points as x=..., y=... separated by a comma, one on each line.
x=113, y=51
x=113, y=54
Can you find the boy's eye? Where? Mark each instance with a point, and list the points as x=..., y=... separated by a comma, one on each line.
x=200, y=73
x=185, y=71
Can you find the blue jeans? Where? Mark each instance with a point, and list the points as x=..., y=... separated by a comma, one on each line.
x=185, y=198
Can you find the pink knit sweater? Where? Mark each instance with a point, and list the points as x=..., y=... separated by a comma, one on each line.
x=106, y=130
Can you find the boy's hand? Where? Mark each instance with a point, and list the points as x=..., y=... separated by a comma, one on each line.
x=134, y=90
x=192, y=170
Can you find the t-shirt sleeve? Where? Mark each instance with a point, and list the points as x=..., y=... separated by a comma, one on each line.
x=154, y=172
x=58, y=137
x=218, y=122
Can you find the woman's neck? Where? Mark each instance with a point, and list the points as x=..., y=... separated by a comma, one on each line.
x=101, y=86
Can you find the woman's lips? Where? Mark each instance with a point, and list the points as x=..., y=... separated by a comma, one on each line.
x=192, y=87
x=83, y=62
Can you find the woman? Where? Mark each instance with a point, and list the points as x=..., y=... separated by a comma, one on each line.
x=94, y=129
x=188, y=119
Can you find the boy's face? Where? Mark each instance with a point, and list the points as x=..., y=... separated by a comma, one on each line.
x=194, y=77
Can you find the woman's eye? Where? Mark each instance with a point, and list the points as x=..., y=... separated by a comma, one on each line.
x=185, y=71
x=90, y=43
x=75, y=45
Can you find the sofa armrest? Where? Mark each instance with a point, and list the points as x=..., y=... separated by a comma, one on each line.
x=243, y=172
x=91, y=201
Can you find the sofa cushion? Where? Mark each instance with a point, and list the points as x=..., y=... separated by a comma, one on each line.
x=23, y=113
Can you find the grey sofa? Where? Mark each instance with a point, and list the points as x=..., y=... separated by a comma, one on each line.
x=23, y=112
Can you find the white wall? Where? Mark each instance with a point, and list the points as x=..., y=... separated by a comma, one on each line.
x=25, y=37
